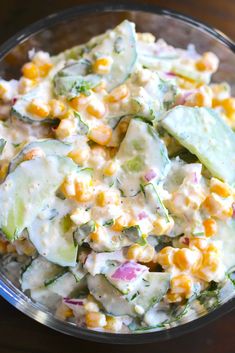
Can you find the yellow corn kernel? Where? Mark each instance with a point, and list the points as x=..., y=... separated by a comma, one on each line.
x=34, y=153
x=79, y=216
x=209, y=266
x=199, y=243
x=102, y=66
x=106, y=198
x=96, y=108
x=83, y=191
x=229, y=105
x=38, y=108
x=30, y=71
x=79, y=155
x=68, y=187
x=99, y=151
x=182, y=284
x=118, y=94
x=101, y=134
x=134, y=251
x=79, y=102
x=146, y=254
x=98, y=235
x=173, y=297
x=146, y=37
x=3, y=90
x=95, y=320
x=44, y=69
x=220, y=188
x=63, y=312
x=57, y=108
x=114, y=324
x=165, y=256
x=184, y=259
x=202, y=98
x=216, y=207
x=110, y=168
x=3, y=169
x=208, y=62
x=100, y=88
x=25, y=85
x=163, y=226
x=91, y=304
x=121, y=222
x=210, y=227
x=65, y=129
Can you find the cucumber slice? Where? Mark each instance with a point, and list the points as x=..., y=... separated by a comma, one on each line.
x=39, y=271
x=111, y=299
x=120, y=44
x=49, y=147
x=226, y=234
x=140, y=151
x=154, y=202
x=43, y=296
x=64, y=286
x=97, y=263
x=154, y=286
x=43, y=91
x=2, y=145
x=27, y=190
x=203, y=132
x=53, y=238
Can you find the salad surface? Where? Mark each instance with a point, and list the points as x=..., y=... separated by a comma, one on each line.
x=117, y=178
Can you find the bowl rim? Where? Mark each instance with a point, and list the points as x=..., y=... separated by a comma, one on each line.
x=18, y=299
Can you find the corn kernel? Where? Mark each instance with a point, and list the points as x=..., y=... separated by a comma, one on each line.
x=173, y=297
x=147, y=253
x=25, y=85
x=83, y=191
x=101, y=134
x=100, y=88
x=79, y=216
x=165, y=256
x=133, y=252
x=79, y=155
x=3, y=90
x=210, y=265
x=38, y=108
x=79, y=102
x=210, y=227
x=44, y=69
x=30, y=71
x=57, y=108
x=110, y=168
x=208, y=62
x=114, y=324
x=185, y=258
x=65, y=129
x=121, y=222
x=118, y=94
x=96, y=108
x=95, y=320
x=91, y=305
x=220, y=188
x=163, y=226
x=34, y=153
x=199, y=243
x=201, y=98
x=106, y=198
x=229, y=105
x=146, y=37
x=68, y=187
x=216, y=207
x=102, y=66
x=63, y=312
x=182, y=284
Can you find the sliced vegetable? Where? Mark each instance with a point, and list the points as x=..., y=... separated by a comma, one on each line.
x=226, y=234
x=2, y=145
x=49, y=147
x=120, y=45
x=38, y=272
x=140, y=151
x=28, y=189
x=153, y=201
x=53, y=238
x=42, y=91
x=203, y=132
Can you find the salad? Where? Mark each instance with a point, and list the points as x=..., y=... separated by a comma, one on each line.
x=117, y=184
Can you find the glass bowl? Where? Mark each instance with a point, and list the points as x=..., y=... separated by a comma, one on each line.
x=76, y=25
